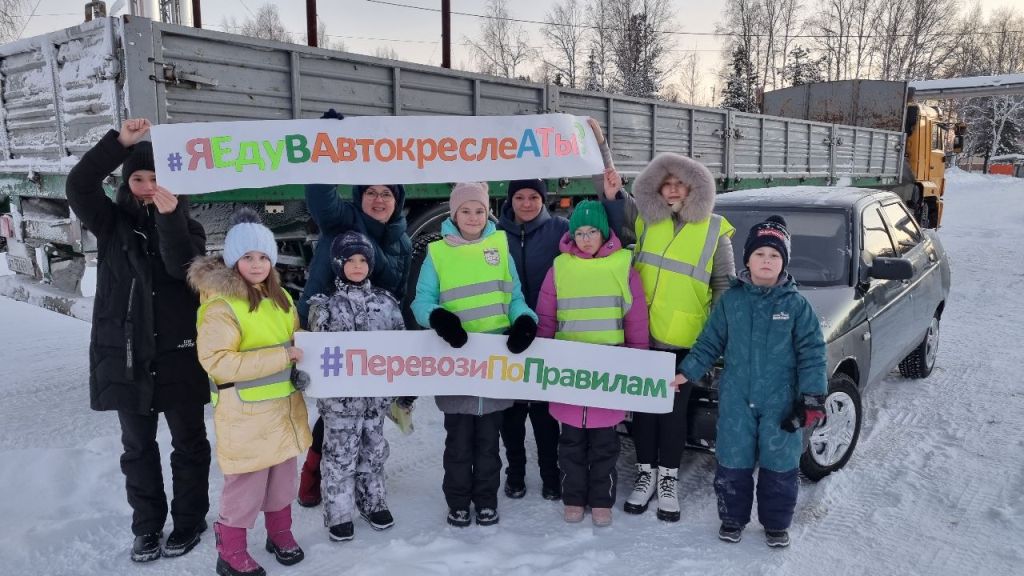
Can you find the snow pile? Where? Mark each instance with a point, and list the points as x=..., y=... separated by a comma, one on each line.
x=934, y=486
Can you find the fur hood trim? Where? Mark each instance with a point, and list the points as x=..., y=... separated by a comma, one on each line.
x=210, y=277
x=647, y=189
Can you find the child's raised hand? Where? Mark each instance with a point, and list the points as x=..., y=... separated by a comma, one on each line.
x=678, y=381
x=294, y=354
x=132, y=130
x=612, y=183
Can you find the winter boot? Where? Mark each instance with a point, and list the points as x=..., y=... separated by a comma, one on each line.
x=181, y=541
x=146, y=547
x=643, y=490
x=601, y=517
x=458, y=517
x=551, y=492
x=730, y=533
x=379, y=520
x=515, y=488
x=486, y=516
x=668, y=500
x=309, y=480
x=776, y=538
x=280, y=540
x=232, y=557
x=573, y=514
x=341, y=532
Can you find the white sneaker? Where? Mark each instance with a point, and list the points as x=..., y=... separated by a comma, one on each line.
x=668, y=499
x=643, y=490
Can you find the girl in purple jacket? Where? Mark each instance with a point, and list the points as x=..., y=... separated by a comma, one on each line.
x=592, y=265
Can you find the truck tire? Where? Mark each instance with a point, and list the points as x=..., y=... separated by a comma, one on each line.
x=920, y=362
x=832, y=442
x=425, y=228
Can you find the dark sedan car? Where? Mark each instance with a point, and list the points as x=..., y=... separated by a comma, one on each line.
x=878, y=283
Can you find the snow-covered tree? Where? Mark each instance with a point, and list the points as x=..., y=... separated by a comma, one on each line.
x=599, y=70
x=266, y=25
x=640, y=47
x=801, y=68
x=740, y=84
x=566, y=33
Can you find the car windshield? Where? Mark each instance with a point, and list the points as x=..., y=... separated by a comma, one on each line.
x=820, y=253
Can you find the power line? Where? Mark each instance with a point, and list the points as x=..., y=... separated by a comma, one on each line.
x=681, y=33
x=30, y=16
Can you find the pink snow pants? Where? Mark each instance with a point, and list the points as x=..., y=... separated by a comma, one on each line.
x=245, y=495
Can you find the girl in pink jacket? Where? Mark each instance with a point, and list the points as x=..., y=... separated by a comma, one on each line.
x=602, y=302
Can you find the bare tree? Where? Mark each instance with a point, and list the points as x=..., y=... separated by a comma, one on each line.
x=640, y=45
x=503, y=45
x=324, y=40
x=386, y=52
x=917, y=38
x=12, y=19
x=690, y=80
x=266, y=25
x=598, y=73
x=565, y=33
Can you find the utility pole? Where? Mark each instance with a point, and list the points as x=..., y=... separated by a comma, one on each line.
x=446, y=33
x=197, y=13
x=311, y=35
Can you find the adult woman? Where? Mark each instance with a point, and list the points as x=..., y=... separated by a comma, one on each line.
x=533, y=236
x=142, y=355
x=684, y=256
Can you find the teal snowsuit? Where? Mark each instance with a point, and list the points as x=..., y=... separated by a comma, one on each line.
x=773, y=350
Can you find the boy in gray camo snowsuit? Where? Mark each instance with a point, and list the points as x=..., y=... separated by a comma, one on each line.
x=354, y=449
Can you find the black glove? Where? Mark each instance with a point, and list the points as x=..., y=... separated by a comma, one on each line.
x=332, y=113
x=448, y=327
x=807, y=411
x=300, y=379
x=521, y=335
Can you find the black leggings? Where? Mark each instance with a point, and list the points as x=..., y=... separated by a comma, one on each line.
x=660, y=438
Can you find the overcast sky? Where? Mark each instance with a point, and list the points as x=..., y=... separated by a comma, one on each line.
x=364, y=25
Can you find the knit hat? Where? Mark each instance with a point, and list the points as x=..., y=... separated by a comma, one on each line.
x=467, y=191
x=247, y=234
x=772, y=233
x=534, y=184
x=140, y=157
x=345, y=246
x=589, y=213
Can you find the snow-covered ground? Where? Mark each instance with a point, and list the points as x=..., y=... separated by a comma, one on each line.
x=935, y=487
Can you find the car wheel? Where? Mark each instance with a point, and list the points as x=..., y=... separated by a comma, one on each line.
x=919, y=363
x=831, y=443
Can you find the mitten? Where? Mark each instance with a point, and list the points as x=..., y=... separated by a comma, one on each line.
x=807, y=411
x=448, y=327
x=332, y=113
x=401, y=415
x=405, y=402
x=521, y=335
x=300, y=379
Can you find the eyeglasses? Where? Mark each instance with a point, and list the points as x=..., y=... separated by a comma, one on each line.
x=377, y=195
x=587, y=234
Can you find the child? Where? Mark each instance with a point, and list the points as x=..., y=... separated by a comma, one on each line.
x=468, y=283
x=354, y=448
x=592, y=266
x=244, y=341
x=774, y=373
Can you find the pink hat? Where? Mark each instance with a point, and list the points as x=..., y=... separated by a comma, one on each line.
x=467, y=191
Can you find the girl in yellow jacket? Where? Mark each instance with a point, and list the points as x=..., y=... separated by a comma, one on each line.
x=245, y=327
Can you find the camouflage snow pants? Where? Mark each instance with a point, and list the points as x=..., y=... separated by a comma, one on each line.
x=352, y=466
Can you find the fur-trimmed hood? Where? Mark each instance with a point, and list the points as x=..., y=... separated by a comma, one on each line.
x=210, y=277
x=647, y=189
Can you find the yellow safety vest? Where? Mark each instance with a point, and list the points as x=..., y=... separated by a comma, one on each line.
x=593, y=297
x=676, y=273
x=476, y=284
x=267, y=327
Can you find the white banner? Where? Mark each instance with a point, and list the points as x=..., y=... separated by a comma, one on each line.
x=419, y=363
x=194, y=158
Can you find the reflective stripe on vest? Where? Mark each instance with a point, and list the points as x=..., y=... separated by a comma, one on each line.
x=267, y=327
x=675, y=269
x=475, y=282
x=593, y=297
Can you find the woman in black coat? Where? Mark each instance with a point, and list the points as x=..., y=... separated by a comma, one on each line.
x=142, y=356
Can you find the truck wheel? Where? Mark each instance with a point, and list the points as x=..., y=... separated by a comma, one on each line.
x=924, y=218
x=424, y=229
x=919, y=363
x=831, y=443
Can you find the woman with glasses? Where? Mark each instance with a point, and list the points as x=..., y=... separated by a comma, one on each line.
x=533, y=236
x=684, y=256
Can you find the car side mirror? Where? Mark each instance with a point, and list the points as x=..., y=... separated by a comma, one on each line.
x=891, y=269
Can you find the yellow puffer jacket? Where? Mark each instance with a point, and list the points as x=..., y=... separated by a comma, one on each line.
x=251, y=436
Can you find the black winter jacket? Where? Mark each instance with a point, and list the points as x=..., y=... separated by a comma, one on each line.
x=534, y=247
x=142, y=355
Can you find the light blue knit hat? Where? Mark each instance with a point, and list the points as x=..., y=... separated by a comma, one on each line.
x=247, y=233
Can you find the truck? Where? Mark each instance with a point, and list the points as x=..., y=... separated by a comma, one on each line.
x=890, y=105
x=61, y=91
